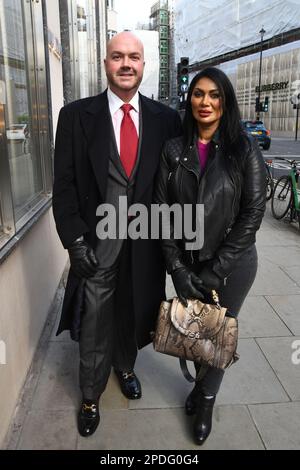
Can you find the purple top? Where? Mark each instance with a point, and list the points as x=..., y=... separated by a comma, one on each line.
x=203, y=151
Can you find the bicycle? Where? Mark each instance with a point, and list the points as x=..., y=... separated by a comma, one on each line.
x=285, y=195
x=270, y=182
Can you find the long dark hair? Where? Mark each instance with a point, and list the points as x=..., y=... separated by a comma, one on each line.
x=232, y=137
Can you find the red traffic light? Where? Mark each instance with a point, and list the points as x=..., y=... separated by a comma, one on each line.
x=184, y=61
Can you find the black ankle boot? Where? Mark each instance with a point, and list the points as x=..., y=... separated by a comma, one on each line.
x=191, y=403
x=202, y=423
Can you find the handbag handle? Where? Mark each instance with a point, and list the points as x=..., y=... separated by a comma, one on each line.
x=182, y=361
x=186, y=373
x=184, y=369
x=215, y=297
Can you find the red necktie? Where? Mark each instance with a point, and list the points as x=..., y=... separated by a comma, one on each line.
x=128, y=140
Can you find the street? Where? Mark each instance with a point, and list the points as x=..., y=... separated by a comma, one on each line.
x=283, y=146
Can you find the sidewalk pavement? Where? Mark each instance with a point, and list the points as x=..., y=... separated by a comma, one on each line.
x=258, y=406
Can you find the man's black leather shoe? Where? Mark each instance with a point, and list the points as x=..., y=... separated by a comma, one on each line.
x=88, y=418
x=130, y=384
x=203, y=420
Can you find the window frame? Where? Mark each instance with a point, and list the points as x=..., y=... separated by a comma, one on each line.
x=33, y=19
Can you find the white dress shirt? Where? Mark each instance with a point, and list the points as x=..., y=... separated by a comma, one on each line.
x=115, y=103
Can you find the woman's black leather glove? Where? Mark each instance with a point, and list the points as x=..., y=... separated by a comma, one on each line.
x=82, y=258
x=187, y=285
x=209, y=279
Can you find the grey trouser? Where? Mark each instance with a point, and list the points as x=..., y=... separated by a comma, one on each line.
x=107, y=335
x=232, y=296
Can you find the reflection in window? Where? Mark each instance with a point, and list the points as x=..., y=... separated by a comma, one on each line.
x=111, y=34
x=25, y=170
x=81, y=18
x=87, y=52
x=83, y=48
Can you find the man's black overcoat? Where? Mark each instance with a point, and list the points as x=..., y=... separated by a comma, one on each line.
x=80, y=177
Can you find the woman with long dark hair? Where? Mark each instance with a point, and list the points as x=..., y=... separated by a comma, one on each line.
x=215, y=164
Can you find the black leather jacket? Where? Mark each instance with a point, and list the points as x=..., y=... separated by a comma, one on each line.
x=234, y=201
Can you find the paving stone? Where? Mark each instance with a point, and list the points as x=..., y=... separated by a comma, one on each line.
x=288, y=309
x=272, y=280
x=293, y=273
x=258, y=319
x=281, y=352
x=278, y=425
x=49, y=430
x=162, y=381
x=251, y=379
x=58, y=387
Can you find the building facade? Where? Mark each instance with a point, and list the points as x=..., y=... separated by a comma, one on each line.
x=280, y=81
x=229, y=38
x=111, y=19
x=280, y=76
x=160, y=22
x=83, y=47
x=150, y=83
x=50, y=54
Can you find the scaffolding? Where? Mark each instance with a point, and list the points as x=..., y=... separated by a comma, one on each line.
x=160, y=22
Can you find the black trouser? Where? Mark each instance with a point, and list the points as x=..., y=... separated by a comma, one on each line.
x=107, y=335
x=232, y=296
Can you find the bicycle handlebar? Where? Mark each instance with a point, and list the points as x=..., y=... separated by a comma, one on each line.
x=291, y=162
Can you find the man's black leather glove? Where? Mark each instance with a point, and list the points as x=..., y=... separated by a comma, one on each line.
x=187, y=285
x=209, y=279
x=82, y=258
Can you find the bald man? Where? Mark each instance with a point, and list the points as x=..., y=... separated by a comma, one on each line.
x=108, y=147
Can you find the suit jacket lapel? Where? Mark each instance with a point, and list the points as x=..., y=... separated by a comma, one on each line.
x=149, y=148
x=96, y=123
x=95, y=120
x=114, y=154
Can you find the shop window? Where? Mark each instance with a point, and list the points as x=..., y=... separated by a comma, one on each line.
x=25, y=165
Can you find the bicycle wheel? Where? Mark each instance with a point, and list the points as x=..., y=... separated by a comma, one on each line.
x=270, y=184
x=282, y=197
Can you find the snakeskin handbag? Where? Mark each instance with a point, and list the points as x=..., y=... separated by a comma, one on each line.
x=200, y=332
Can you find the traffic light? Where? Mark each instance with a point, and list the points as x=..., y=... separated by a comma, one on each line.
x=266, y=104
x=183, y=75
x=178, y=80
